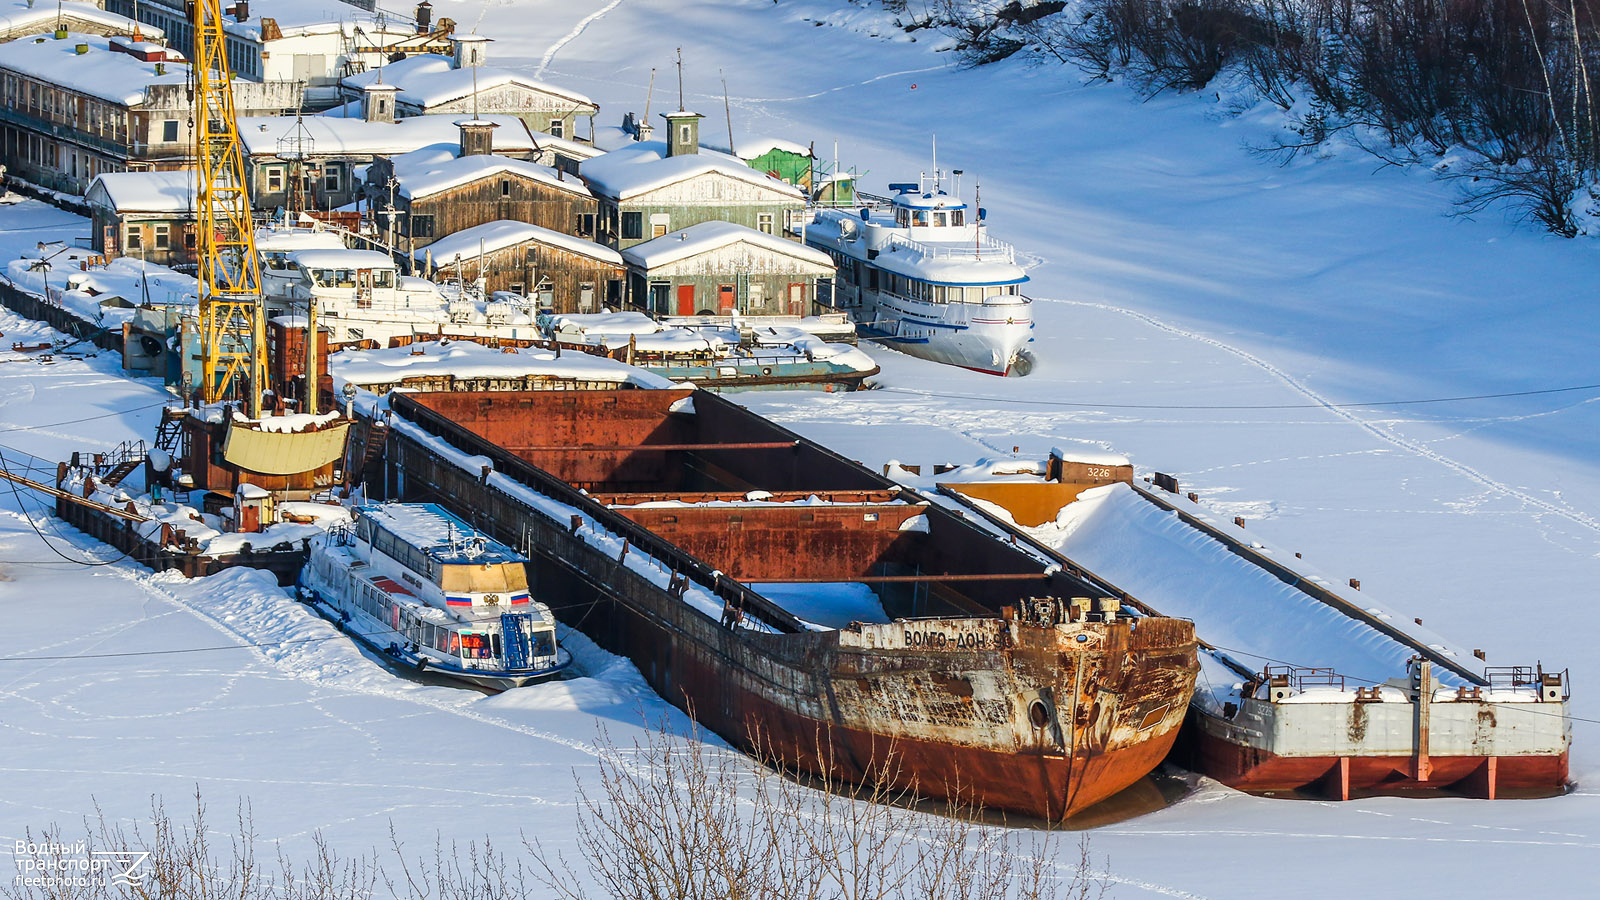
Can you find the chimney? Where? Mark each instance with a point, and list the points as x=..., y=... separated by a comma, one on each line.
x=470, y=50
x=477, y=137
x=683, y=133
x=377, y=102
x=241, y=10
x=424, y=17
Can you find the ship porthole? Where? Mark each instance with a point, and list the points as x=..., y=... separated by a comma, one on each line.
x=1038, y=715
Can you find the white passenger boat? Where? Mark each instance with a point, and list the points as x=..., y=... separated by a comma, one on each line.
x=414, y=582
x=919, y=272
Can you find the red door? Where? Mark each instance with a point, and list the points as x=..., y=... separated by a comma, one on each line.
x=685, y=299
x=797, y=299
x=724, y=299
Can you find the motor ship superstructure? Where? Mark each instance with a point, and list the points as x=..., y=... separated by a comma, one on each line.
x=919, y=272
x=361, y=296
x=415, y=582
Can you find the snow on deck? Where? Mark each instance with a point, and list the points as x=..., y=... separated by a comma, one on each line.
x=464, y=359
x=827, y=606
x=1242, y=609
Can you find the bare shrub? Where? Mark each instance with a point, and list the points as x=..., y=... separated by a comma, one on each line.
x=742, y=830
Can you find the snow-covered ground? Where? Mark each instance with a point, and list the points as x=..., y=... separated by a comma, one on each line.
x=1200, y=310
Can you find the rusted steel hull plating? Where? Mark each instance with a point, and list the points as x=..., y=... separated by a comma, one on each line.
x=974, y=688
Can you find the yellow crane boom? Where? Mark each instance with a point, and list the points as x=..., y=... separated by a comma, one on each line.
x=232, y=320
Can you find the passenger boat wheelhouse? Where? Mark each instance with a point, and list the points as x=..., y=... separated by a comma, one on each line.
x=919, y=272
x=415, y=582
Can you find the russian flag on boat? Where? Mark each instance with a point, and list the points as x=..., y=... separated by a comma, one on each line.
x=454, y=600
x=519, y=598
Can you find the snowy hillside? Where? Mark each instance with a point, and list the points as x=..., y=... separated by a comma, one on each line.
x=1246, y=327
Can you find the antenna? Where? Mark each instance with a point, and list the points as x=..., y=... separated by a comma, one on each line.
x=977, y=221
x=680, y=80
x=726, y=112
x=936, y=164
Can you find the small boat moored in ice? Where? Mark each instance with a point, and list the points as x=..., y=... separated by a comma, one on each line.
x=415, y=582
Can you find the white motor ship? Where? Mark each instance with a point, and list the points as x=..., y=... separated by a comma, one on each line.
x=919, y=273
x=414, y=582
x=362, y=296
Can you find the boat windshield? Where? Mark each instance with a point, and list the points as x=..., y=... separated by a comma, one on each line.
x=480, y=578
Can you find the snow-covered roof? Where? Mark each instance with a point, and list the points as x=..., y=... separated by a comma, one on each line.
x=492, y=236
x=20, y=17
x=297, y=18
x=958, y=268
x=150, y=192
x=342, y=259
x=645, y=166
x=750, y=148
x=102, y=72
x=439, y=167
x=331, y=136
x=708, y=236
x=429, y=79
x=287, y=239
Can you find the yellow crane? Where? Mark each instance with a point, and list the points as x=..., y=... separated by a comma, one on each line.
x=232, y=320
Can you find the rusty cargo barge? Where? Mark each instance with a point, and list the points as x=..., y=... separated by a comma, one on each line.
x=659, y=522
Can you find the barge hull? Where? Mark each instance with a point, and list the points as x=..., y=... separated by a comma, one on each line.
x=955, y=722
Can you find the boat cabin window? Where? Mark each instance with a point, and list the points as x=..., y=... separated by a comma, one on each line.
x=346, y=278
x=479, y=578
x=938, y=220
x=957, y=217
x=902, y=217
x=919, y=217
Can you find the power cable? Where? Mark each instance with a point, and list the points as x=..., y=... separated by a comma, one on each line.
x=181, y=650
x=22, y=508
x=84, y=419
x=1077, y=405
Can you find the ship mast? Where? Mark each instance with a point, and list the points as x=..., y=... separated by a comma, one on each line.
x=232, y=321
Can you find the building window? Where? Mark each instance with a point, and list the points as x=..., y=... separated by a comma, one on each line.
x=422, y=226
x=189, y=238
x=330, y=179
x=764, y=223
x=163, y=232
x=586, y=224
x=505, y=187
x=683, y=134
x=586, y=297
x=169, y=131
x=275, y=180
x=558, y=128
x=134, y=237
x=632, y=226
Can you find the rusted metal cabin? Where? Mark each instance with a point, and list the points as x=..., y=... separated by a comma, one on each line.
x=684, y=531
x=562, y=273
